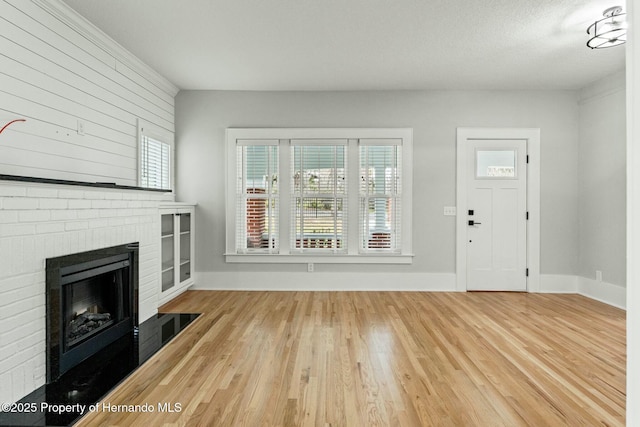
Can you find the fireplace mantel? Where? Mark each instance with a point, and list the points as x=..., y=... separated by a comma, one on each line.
x=50, y=181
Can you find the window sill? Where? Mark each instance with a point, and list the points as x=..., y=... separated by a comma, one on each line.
x=319, y=259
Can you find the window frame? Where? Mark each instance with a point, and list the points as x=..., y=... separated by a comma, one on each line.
x=353, y=254
x=163, y=136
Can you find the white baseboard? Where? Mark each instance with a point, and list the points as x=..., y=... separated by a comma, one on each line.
x=434, y=282
x=607, y=293
x=319, y=281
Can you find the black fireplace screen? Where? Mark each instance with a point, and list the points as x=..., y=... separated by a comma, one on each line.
x=96, y=303
x=91, y=302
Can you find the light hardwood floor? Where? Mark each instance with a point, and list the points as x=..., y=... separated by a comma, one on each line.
x=384, y=359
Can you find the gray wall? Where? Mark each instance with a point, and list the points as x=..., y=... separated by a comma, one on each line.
x=203, y=116
x=602, y=180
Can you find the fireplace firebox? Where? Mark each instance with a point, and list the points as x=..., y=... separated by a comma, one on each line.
x=92, y=300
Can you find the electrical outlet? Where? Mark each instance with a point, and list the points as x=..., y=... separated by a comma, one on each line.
x=450, y=210
x=80, y=127
x=310, y=267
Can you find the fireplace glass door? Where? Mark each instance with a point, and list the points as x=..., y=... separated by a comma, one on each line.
x=93, y=305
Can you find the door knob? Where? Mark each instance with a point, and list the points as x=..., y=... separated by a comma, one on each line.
x=472, y=222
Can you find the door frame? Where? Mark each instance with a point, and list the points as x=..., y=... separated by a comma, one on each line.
x=532, y=136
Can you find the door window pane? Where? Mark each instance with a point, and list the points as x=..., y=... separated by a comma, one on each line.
x=496, y=164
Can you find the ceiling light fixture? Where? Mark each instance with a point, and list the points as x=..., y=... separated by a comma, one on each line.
x=609, y=31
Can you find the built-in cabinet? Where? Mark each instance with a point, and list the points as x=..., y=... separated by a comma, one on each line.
x=177, y=249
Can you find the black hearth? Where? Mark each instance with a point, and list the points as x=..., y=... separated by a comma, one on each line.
x=92, y=379
x=98, y=282
x=92, y=301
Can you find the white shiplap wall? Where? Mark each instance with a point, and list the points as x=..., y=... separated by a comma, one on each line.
x=56, y=70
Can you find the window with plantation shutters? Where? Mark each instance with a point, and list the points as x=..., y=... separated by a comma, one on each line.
x=319, y=195
x=257, y=196
x=380, y=195
x=155, y=166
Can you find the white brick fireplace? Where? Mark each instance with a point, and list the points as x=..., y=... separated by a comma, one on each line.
x=40, y=221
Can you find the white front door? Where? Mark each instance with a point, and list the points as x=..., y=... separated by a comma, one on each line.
x=496, y=216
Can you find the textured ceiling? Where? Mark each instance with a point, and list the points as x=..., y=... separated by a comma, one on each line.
x=360, y=44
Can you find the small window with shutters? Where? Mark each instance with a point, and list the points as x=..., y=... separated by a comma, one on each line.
x=155, y=158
